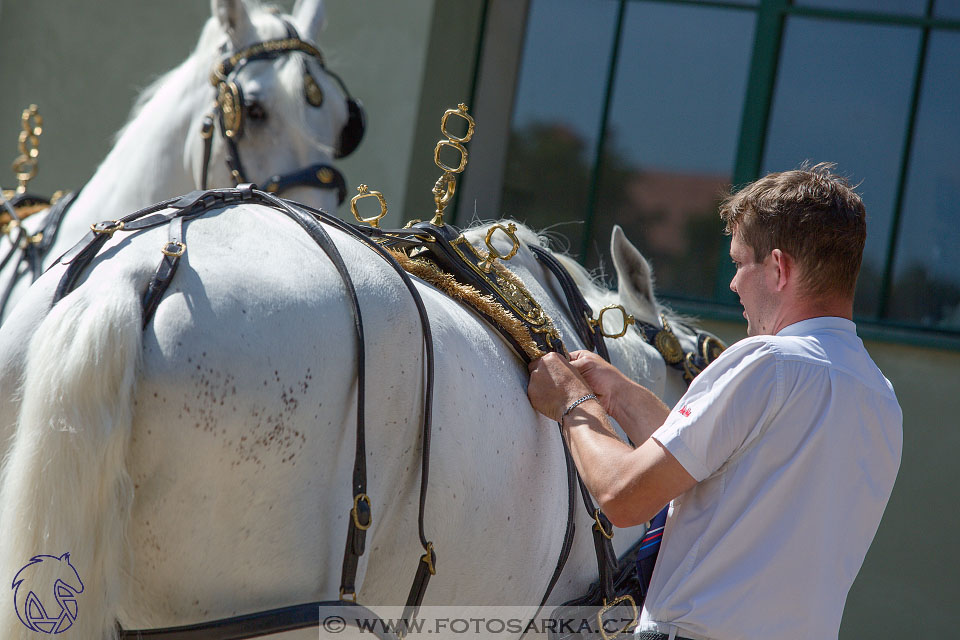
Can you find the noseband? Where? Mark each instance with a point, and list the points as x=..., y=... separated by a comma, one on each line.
x=230, y=110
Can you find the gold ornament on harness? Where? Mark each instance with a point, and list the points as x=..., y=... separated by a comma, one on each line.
x=446, y=185
x=668, y=344
x=626, y=321
x=363, y=191
x=492, y=253
x=231, y=107
x=312, y=90
x=607, y=606
x=25, y=166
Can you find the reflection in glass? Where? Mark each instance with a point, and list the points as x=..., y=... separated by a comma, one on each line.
x=949, y=9
x=926, y=278
x=557, y=113
x=899, y=7
x=843, y=95
x=672, y=139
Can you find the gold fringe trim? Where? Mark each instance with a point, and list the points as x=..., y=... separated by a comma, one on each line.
x=486, y=305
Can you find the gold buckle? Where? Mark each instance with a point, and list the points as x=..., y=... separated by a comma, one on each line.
x=354, y=594
x=610, y=605
x=427, y=559
x=627, y=321
x=353, y=512
x=363, y=191
x=109, y=227
x=178, y=250
x=599, y=526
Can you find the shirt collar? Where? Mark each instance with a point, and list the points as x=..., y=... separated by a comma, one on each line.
x=811, y=325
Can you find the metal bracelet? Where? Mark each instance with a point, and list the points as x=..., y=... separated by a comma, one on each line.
x=578, y=402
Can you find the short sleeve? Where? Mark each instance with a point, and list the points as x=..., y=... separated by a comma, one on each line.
x=724, y=409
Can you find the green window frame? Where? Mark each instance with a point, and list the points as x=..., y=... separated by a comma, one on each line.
x=771, y=19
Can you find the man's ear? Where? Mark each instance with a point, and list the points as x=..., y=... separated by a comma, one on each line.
x=786, y=268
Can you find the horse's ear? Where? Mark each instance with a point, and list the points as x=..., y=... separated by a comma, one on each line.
x=235, y=20
x=634, y=276
x=310, y=16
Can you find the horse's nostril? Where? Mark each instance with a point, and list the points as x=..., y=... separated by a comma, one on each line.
x=255, y=111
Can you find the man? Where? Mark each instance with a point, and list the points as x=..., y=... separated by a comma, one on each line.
x=780, y=458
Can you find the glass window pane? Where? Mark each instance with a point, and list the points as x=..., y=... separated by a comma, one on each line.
x=672, y=139
x=557, y=112
x=947, y=9
x=843, y=95
x=926, y=285
x=901, y=7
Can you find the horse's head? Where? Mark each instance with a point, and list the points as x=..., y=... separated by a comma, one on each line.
x=281, y=115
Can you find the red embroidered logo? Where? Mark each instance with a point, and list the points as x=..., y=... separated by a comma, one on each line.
x=684, y=411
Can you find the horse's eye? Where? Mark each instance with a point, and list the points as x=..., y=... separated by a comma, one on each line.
x=256, y=112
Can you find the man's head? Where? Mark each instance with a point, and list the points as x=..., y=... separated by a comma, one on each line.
x=809, y=219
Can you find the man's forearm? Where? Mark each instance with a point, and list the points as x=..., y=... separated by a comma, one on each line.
x=630, y=485
x=639, y=412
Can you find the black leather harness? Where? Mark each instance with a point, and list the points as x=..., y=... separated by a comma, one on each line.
x=176, y=213
x=28, y=250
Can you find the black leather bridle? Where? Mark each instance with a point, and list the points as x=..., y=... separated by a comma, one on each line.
x=230, y=112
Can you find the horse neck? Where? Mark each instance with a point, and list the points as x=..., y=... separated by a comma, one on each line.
x=148, y=162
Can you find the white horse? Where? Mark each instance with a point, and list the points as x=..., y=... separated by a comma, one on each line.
x=294, y=114
x=200, y=468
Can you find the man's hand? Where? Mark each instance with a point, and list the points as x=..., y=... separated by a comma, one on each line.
x=554, y=385
x=603, y=378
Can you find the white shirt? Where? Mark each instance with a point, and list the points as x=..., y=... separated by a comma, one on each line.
x=795, y=442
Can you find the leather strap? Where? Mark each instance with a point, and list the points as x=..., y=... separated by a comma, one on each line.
x=427, y=565
x=254, y=625
x=580, y=309
x=319, y=175
x=165, y=271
